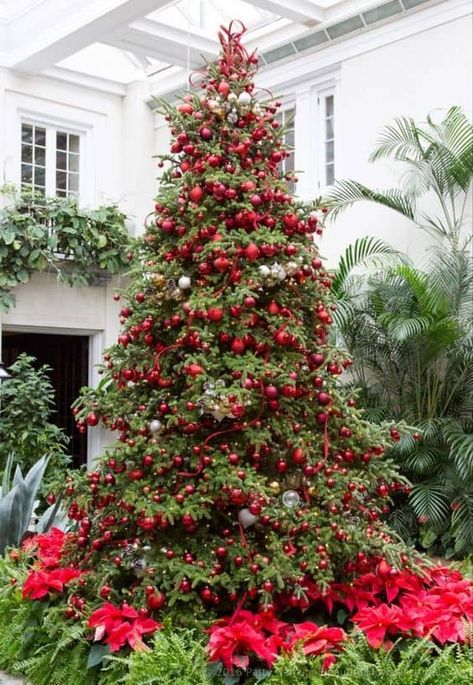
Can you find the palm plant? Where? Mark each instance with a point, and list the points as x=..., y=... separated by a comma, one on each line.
x=410, y=333
x=410, y=330
x=435, y=158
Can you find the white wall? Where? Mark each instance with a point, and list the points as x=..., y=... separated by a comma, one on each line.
x=117, y=154
x=412, y=77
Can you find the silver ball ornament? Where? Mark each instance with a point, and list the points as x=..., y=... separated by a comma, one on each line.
x=246, y=518
x=291, y=499
x=184, y=282
x=155, y=426
x=244, y=98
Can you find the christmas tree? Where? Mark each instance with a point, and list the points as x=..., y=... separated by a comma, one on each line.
x=243, y=474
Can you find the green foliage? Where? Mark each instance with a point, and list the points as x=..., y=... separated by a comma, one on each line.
x=17, y=504
x=409, y=332
x=435, y=158
x=27, y=402
x=176, y=656
x=55, y=234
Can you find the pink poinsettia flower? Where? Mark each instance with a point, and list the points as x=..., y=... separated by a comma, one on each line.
x=233, y=643
x=41, y=583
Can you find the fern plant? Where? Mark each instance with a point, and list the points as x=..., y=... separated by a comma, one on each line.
x=175, y=657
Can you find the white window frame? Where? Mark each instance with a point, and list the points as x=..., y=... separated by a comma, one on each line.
x=321, y=137
x=286, y=105
x=52, y=129
x=309, y=132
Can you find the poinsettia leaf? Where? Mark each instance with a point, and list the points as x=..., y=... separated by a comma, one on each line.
x=96, y=655
x=215, y=668
x=231, y=679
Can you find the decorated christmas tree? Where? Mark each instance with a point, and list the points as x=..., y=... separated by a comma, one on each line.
x=243, y=474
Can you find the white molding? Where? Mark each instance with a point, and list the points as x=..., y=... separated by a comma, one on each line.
x=94, y=438
x=87, y=81
x=297, y=68
x=309, y=64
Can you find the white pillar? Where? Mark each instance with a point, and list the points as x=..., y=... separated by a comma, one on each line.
x=139, y=168
x=305, y=159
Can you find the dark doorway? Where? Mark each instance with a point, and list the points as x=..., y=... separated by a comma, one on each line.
x=68, y=356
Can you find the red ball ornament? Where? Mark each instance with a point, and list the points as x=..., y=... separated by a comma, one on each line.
x=215, y=314
x=196, y=194
x=298, y=456
x=238, y=346
x=222, y=264
x=252, y=252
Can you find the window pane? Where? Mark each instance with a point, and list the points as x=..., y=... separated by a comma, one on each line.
x=39, y=136
x=61, y=180
x=39, y=176
x=74, y=182
x=27, y=154
x=26, y=173
x=289, y=163
x=61, y=140
x=73, y=162
x=330, y=174
x=40, y=156
x=329, y=106
x=61, y=160
x=289, y=116
x=329, y=128
x=26, y=133
x=74, y=143
x=61, y=193
x=289, y=138
x=329, y=152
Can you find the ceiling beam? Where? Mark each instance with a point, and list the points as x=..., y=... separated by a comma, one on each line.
x=301, y=11
x=54, y=30
x=166, y=43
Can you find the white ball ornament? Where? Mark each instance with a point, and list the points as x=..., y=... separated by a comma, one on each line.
x=244, y=98
x=246, y=518
x=184, y=282
x=264, y=270
x=212, y=104
x=155, y=426
x=291, y=499
x=232, y=97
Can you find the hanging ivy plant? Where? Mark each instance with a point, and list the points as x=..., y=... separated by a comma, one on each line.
x=55, y=234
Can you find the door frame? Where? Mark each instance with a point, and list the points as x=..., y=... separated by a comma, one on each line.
x=96, y=340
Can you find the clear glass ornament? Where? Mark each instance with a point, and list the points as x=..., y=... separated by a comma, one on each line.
x=291, y=499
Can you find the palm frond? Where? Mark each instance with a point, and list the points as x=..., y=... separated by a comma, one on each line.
x=346, y=193
x=399, y=140
x=363, y=253
x=430, y=501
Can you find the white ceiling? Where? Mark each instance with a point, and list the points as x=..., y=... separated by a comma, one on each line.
x=125, y=40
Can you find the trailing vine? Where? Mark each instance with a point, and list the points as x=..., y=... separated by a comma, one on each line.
x=55, y=234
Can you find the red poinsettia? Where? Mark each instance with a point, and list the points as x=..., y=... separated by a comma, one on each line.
x=41, y=583
x=47, y=547
x=315, y=639
x=377, y=622
x=231, y=644
x=120, y=626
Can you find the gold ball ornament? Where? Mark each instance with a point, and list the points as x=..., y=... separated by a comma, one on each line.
x=275, y=487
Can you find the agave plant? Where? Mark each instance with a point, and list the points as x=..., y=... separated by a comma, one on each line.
x=435, y=158
x=410, y=331
x=17, y=503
